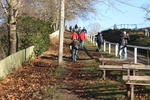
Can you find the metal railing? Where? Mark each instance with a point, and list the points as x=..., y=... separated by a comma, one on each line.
x=113, y=48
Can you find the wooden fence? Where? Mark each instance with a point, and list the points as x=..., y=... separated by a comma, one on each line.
x=113, y=48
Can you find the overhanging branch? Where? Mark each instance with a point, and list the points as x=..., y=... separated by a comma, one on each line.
x=3, y=6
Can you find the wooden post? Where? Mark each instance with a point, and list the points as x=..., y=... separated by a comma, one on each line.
x=116, y=50
x=104, y=74
x=109, y=48
x=128, y=90
x=91, y=38
x=134, y=72
x=61, y=32
x=126, y=53
x=104, y=46
x=128, y=74
x=135, y=55
x=132, y=92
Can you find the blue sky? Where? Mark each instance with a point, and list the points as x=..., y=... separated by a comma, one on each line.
x=112, y=13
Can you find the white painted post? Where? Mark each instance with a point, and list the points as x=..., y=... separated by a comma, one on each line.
x=126, y=53
x=109, y=48
x=135, y=55
x=88, y=37
x=95, y=43
x=116, y=49
x=104, y=46
x=91, y=38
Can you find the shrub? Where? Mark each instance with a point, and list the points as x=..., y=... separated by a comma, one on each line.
x=35, y=32
x=41, y=43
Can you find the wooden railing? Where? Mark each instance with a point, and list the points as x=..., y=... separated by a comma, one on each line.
x=113, y=48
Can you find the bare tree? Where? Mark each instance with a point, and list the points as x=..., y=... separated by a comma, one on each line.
x=146, y=8
x=95, y=27
x=73, y=8
x=11, y=10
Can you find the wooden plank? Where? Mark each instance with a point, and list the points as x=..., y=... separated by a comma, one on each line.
x=130, y=83
x=111, y=59
x=132, y=92
x=110, y=67
x=104, y=74
x=136, y=67
x=137, y=78
x=132, y=46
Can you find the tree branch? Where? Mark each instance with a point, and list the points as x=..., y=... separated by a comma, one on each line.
x=3, y=6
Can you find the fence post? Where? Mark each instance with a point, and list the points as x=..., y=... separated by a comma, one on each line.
x=95, y=43
x=88, y=37
x=135, y=55
x=126, y=53
x=116, y=49
x=104, y=46
x=109, y=48
x=91, y=38
x=132, y=92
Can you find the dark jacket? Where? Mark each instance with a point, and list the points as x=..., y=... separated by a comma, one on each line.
x=99, y=38
x=124, y=38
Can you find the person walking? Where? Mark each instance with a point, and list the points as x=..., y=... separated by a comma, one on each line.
x=79, y=30
x=84, y=30
x=74, y=45
x=76, y=27
x=123, y=45
x=99, y=39
x=74, y=35
x=82, y=38
x=74, y=49
x=70, y=28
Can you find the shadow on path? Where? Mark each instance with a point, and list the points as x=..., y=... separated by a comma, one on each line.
x=90, y=55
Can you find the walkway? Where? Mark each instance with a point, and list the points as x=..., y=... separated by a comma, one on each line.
x=43, y=79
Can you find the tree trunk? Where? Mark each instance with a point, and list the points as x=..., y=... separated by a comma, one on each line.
x=12, y=32
x=61, y=32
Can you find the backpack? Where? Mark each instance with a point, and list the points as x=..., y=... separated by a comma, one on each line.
x=74, y=45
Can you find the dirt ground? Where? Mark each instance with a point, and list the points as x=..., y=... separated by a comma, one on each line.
x=42, y=78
